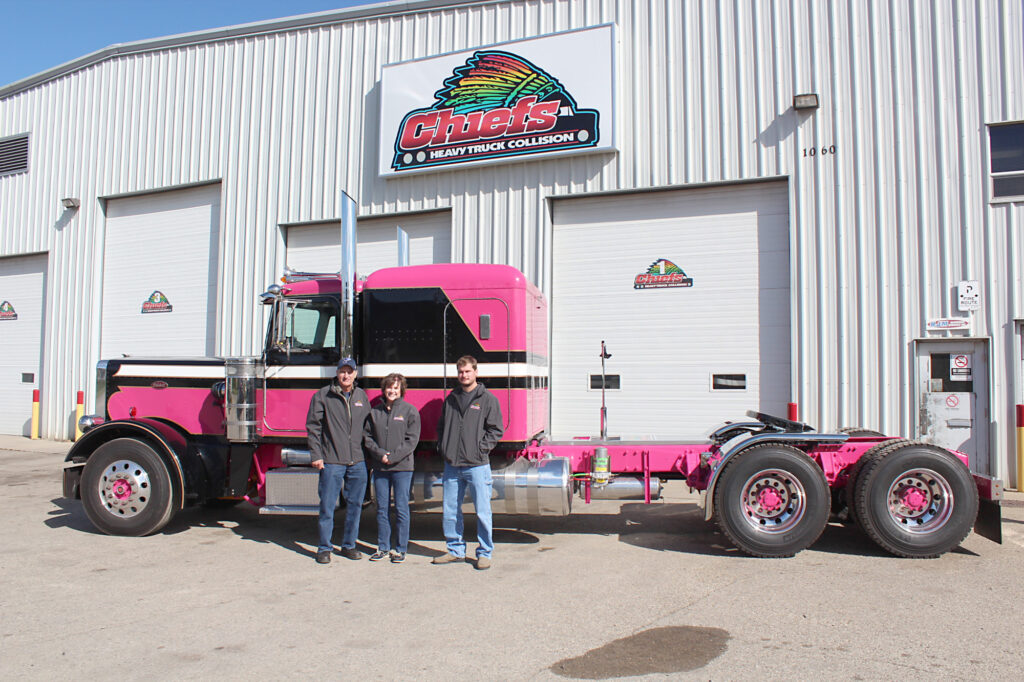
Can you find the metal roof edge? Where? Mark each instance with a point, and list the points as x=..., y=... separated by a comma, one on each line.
x=380, y=9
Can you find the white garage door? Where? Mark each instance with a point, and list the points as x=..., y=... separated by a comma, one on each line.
x=315, y=248
x=160, y=273
x=690, y=291
x=22, y=295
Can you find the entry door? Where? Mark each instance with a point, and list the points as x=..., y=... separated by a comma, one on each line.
x=952, y=398
x=22, y=295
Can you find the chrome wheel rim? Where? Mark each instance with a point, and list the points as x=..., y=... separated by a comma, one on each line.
x=773, y=501
x=920, y=501
x=124, y=488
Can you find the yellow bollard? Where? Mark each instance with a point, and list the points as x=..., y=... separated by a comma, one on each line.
x=34, y=435
x=79, y=411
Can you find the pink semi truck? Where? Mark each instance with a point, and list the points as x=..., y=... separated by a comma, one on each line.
x=177, y=432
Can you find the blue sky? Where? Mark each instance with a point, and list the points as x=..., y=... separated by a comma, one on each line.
x=36, y=35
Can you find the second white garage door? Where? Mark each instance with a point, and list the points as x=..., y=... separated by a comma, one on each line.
x=690, y=291
x=22, y=302
x=160, y=274
x=315, y=248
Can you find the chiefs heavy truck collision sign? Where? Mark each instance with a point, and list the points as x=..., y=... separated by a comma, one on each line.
x=550, y=95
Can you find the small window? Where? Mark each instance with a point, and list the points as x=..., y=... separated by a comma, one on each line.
x=611, y=382
x=728, y=382
x=14, y=155
x=1006, y=154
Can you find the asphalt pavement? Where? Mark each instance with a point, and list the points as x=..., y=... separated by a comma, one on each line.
x=618, y=589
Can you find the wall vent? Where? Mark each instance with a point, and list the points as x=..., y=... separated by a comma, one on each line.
x=14, y=155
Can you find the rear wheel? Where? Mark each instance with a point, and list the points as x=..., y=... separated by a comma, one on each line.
x=918, y=501
x=772, y=501
x=126, y=489
x=880, y=450
x=860, y=432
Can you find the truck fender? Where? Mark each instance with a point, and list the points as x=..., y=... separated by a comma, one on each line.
x=169, y=443
x=796, y=439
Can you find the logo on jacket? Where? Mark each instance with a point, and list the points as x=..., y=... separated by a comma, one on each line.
x=475, y=406
x=156, y=303
x=7, y=311
x=495, y=105
x=399, y=418
x=662, y=274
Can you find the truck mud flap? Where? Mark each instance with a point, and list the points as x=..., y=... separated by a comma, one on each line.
x=989, y=523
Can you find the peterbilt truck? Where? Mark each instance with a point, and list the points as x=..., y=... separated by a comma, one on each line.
x=170, y=433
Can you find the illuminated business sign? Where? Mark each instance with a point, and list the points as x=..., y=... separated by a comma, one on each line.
x=539, y=97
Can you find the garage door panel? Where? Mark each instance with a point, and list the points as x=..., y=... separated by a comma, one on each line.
x=667, y=342
x=161, y=245
x=22, y=287
x=316, y=248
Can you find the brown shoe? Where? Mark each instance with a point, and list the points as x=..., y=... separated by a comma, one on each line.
x=447, y=558
x=483, y=563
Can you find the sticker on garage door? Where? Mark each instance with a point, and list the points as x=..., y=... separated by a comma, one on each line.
x=661, y=274
x=7, y=311
x=156, y=303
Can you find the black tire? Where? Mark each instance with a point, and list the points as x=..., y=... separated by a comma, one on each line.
x=860, y=432
x=918, y=501
x=772, y=501
x=880, y=450
x=126, y=489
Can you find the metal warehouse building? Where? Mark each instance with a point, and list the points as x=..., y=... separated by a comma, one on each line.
x=753, y=202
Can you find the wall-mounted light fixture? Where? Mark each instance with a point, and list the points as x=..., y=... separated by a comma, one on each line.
x=806, y=101
x=70, y=202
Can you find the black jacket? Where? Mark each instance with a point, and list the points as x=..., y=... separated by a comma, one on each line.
x=467, y=439
x=393, y=432
x=334, y=425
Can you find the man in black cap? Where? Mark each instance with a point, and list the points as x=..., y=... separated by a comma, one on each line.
x=334, y=425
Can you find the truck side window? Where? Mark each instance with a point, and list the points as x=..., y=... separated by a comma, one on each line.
x=310, y=334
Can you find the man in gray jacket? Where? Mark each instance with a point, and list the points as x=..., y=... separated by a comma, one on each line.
x=470, y=427
x=334, y=425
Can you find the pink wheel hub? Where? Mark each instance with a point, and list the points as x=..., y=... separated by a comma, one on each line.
x=769, y=499
x=914, y=499
x=121, y=489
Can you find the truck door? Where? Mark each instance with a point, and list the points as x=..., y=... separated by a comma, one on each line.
x=479, y=327
x=952, y=398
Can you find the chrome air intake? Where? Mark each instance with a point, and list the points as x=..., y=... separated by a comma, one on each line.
x=240, y=377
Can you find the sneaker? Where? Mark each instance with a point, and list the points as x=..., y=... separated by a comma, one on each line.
x=447, y=558
x=351, y=553
x=397, y=557
x=323, y=557
x=483, y=563
x=378, y=555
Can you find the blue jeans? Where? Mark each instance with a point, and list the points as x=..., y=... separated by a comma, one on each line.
x=383, y=483
x=332, y=477
x=455, y=482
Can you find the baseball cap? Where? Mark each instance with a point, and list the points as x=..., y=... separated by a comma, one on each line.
x=347, y=362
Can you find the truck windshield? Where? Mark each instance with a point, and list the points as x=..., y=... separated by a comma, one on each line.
x=304, y=333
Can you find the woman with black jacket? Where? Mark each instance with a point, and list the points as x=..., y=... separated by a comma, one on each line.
x=391, y=435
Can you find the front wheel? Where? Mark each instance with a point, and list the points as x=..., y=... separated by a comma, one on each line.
x=772, y=501
x=126, y=489
x=919, y=501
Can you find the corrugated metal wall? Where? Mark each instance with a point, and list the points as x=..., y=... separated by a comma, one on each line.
x=883, y=228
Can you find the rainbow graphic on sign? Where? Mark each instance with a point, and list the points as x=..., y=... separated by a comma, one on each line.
x=156, y=303
x=662, y=274
x=7, y=311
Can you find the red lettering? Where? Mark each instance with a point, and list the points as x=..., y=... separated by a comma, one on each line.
x=521, y=114
x=543, y=116
x=417, y=130
x=447, y=123
x=495, y=122
x=470, y=129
